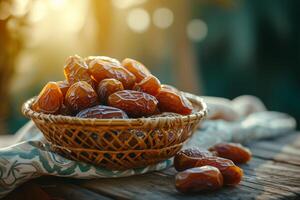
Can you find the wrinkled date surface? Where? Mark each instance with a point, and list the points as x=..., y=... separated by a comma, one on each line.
x=184, y=155
x=102, y=112
x=206, y=178
x=231, y=173
x=80, y=96
x=136, y=68
x=101, y=69
x=49, y=100
x=232, y=151
x=63, y=86
x=150, y=85
x=170, y=101
x=76, y=70
x=89, y=59
x=134, y=103
x=107, y=87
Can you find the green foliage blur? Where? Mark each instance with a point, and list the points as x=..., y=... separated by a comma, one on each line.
x=253, y=48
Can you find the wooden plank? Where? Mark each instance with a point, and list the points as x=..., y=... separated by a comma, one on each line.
x=273, y=173
x=281, y=155
x=60, y=188
x=30, y=191
x=274, y=168
x=273, y=182
x=157, y=186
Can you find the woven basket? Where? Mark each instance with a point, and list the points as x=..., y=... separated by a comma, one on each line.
x=118, y=143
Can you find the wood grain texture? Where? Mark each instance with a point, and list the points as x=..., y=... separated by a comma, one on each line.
x=272, y=173
x=64, y=189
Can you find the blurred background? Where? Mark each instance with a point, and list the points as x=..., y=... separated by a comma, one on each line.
x=220, y=48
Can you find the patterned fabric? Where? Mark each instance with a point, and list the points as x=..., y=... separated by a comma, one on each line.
x=31, y=158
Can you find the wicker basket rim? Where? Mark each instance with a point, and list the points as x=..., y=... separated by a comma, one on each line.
x=28, y=112
x=116, y=151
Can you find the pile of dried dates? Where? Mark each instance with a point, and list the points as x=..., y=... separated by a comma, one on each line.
x=102, y=87
x=202, y=170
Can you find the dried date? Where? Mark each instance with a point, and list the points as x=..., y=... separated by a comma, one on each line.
x=232, y=174
x=134, y=103
x=89, y=59
x=63, y=86
x=107, y=87
x=64, y=110
x=80, y=96
x=150, y=85
x=232, y=151
x=49, y=100
x=184, y=155
x=102, y=112
x=101, y=69
x=171, y=101
x=136, y=68
x=76, y=70
x=206, y=178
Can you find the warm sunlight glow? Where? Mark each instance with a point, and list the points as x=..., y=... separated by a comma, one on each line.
x=163, y=18
x=58, y=4
x=138, y=20
x=123, y=4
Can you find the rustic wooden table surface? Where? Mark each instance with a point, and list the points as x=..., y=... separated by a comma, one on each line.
x=273, y=173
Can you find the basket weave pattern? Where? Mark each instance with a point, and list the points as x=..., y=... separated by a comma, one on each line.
x=118, y=143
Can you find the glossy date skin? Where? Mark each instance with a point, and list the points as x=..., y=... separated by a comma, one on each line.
x=76, y=70
x=136, y=68
x=102, y=112
x=232, y=151
x=150, y=85
x=50, y=99
x=206, y=178
x=63, y=86
x=171, y=101
x=107, y=87
x=232, y=174
x=80, y=96
x=184, y=155
x=134, y=103
x=101, y=69
x=89, y=59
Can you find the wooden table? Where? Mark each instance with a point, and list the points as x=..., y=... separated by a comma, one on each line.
x=273, y=173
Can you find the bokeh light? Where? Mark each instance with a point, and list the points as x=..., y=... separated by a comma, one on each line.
x=58, y=4
x=138, y=20
x=163, y=18
x=123, y=4
x=37, y=12
x=19, y=7
x=196, y=30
